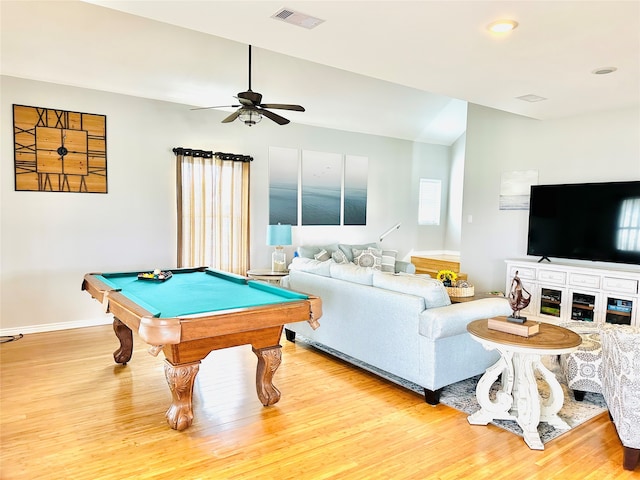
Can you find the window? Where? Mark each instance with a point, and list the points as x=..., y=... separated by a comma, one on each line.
x=213, y=210
x=429, y=202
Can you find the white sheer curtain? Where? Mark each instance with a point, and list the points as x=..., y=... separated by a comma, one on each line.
x=213, y=210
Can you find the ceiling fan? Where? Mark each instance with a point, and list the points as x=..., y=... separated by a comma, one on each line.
x=250, y=110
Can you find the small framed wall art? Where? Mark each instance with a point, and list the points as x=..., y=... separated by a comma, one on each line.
x=59, y=151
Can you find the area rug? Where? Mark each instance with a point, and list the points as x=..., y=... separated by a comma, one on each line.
x=462, y=395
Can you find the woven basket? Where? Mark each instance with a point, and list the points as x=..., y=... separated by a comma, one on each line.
x=461, y=291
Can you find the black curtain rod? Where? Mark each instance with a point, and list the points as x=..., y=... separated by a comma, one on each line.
x=192, y=152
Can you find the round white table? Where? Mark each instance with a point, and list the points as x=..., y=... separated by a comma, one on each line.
x=518, y=398
x=266, y=275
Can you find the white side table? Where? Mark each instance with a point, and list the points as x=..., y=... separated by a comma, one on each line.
x=266, y=275
x=518, y=398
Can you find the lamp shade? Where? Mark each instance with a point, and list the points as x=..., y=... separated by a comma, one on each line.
x=279, y=235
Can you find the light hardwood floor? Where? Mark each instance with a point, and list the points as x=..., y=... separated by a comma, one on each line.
x=69, y=412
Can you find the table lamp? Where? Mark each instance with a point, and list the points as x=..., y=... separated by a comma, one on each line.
x=279, y=235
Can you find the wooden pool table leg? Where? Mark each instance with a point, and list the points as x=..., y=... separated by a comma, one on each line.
x=125, y=336
x=180, y=379
x=269, y=359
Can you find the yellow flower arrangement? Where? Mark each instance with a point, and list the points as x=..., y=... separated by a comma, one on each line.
x=447, y=276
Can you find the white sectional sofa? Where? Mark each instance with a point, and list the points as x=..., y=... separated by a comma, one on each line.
x=399, y=323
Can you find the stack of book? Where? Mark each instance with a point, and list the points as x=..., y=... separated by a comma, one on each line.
x=526, y=329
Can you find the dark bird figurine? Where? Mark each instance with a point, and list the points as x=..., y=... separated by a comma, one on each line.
x=519, y=299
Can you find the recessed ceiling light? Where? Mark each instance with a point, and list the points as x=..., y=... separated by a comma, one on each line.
x=502, y=26
x=604, y=70
x=531, y=98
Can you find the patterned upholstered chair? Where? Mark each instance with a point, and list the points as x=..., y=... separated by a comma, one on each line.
x=621, y=386
x=583, y=368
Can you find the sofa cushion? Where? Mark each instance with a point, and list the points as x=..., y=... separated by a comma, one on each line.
x=308, y=251
x=311, y=265
x=348, y=249
x=351, y=272
x=369, y=257
x=433, y=291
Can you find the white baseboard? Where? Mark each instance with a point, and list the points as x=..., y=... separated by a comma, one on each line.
x=52, y=327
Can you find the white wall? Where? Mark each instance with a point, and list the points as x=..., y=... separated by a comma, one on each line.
x=433, y=162
x=456, y=190
x=589, y=148
x=48, y=241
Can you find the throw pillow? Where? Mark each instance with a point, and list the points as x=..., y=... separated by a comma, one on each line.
x=348, y=249
x=370, y=257
x=339, y=257
x=389, y=260
x=322, y=255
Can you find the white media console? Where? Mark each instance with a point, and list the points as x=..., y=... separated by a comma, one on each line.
x=561, y=292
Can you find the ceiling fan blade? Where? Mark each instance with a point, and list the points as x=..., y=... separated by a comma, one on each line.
x=232, y=117
x=217, y=106
x=274, y=116
x=283, y=106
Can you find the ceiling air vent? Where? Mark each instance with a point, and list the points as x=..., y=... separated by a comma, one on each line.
x=296, y=18
x=531, y=98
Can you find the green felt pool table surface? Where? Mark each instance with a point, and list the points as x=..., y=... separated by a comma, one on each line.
x=190, y=292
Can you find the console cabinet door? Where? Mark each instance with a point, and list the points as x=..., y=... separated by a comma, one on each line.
x=552, y=303
x=584, y=305
x=620, y=309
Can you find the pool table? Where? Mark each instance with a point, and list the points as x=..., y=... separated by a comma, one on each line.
x=196, y=311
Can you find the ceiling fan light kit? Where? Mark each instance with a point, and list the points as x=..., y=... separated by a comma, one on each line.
x=249, y=117
x=251, y=110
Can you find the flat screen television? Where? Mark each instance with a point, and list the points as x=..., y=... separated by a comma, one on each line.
x=586, y=221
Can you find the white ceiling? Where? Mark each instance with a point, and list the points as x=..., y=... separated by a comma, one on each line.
x=395, y=68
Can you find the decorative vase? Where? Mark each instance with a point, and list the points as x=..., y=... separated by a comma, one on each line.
x=278, y=260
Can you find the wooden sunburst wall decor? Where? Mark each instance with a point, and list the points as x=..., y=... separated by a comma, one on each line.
x=59, y=151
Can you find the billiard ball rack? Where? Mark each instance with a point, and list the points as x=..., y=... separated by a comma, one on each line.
x=155, y=277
